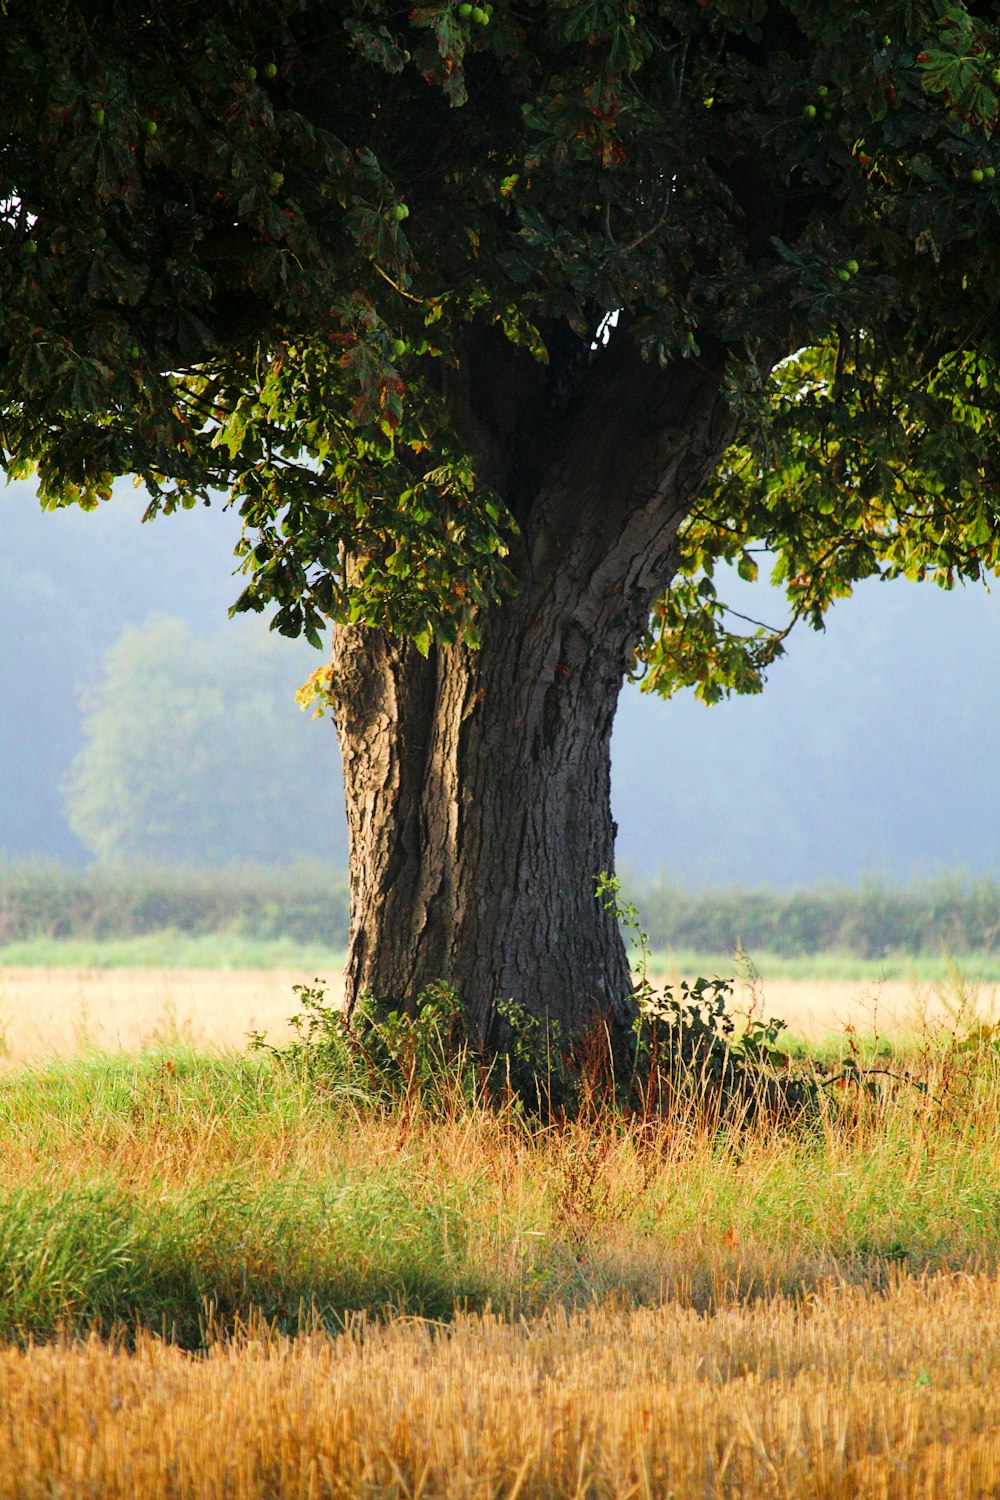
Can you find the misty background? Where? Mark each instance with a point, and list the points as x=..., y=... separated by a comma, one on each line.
x=138, y=724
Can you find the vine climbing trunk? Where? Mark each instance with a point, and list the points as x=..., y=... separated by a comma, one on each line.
x=478, y=781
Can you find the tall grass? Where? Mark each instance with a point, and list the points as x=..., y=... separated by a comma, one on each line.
x=395, y=1290
x=138, y=1192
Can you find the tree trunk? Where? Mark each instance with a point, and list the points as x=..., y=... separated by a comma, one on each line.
x=478, y=781
x=478, y=791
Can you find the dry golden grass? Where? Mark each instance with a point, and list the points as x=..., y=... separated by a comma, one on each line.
x=896, y=1009
x=46, y=1011
x=842, y=1394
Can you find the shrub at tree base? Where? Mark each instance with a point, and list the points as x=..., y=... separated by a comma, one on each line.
x=685, y=1058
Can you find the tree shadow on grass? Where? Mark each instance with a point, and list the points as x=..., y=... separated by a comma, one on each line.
x=100, y=1257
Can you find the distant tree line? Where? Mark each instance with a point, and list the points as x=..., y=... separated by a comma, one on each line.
x=309, y=903
x=952, y=913
x=306, y=903
x=830, y=772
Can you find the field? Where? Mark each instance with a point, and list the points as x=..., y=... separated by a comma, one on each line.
x=60, y=997
x=60, y=1011
x=223, y=1276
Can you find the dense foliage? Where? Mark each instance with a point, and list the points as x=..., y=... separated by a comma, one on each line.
x=305, y=903
x=254, y=247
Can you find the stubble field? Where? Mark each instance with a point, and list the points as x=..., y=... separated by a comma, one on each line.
x=222, y=1277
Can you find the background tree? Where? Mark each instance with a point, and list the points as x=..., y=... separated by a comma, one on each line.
x=194, y=754
x=68, y=588
x=360, y=271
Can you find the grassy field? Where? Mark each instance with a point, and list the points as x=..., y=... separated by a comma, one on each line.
x=171, y=949
x=62, y=1011
x=836, y=968
x=220, y=1276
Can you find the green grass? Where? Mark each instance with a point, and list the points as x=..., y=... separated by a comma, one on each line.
x=166, y=1189
x=171, y=949
x=100, y=1254
x=144, y=1237
x=923, y=969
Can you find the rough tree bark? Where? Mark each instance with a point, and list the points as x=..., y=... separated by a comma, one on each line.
x=478, y=781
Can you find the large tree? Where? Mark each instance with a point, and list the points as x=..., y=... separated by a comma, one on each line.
x=502, y=327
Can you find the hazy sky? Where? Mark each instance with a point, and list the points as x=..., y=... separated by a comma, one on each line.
x=873, y=749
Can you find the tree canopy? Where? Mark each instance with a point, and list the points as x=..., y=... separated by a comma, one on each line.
x=257, y=248
x=503, y=325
